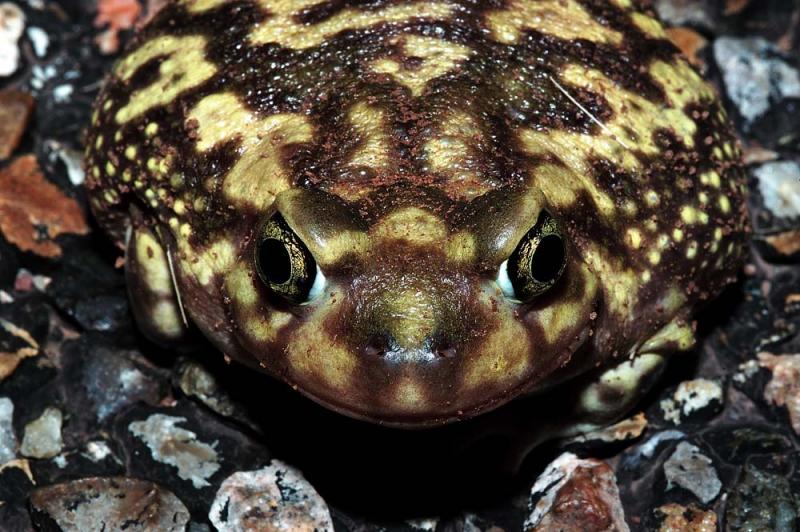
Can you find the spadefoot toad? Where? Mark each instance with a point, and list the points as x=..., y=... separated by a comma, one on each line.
x=416, y=211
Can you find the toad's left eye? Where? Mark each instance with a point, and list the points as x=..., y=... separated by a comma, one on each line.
x=284, y=263
x=537, y=263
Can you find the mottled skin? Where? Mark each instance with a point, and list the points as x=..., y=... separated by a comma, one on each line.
x=410, y=147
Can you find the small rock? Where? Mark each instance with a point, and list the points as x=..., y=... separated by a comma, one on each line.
x=779, y=185
x=755, y=76
x=97, y=450
x=274, y=498
x=627, y=429
x=693, y=471
x=103, y=380
x=39, y=40
x=687, y=13
x=71, y=159
x=195, y=461
x=195, y=381
x=735, y=445
x=692, y=398
x=677, y=518
x=784, y=387
x=15, y=111
x=115, y=503
x=761, y=501
x=42, y=438
x=576, y=494
x=12, y=24
x=8, y=440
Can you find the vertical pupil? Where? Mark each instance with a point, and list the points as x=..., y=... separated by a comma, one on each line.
x=547, y=259
x=275, y=261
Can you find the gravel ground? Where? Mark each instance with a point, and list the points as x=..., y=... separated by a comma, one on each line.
x=101, y=430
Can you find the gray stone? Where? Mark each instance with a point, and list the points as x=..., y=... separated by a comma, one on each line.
x=8, y=440
x=276, y=497
x=196, y=461
x=42, y=438
x=754, y=74
x=779, y=184
x=686, y=13
x=693, y=471
x=113, y=503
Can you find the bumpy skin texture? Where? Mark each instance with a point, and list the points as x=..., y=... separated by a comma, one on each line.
x=411, y=146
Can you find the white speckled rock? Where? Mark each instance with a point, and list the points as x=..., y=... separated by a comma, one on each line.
x=755, y=76
x=779, y=184
x=196, y=461
x=690, y=397
x=274, y=498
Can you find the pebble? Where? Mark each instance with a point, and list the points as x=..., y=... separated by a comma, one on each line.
x=575, y=494
x=678, y=518
x=12, y=24
x=693, y=471
x=39, y=40
x=686, y=13
x=761, y=501
x=754, y=74
x=195, y=381
x=42, y=436
x=690, y=398
x=8, y=439
x=170, y=444
x=783, y=388
x=114, y=503
x=779, y=185
x=274, y=498
x=107, y=380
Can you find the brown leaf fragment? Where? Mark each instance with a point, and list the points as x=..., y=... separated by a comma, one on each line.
x=10, y=360
x=732, y=7
x=689, y=42
x=33, y=211
x=787, y=243
x=15, y=110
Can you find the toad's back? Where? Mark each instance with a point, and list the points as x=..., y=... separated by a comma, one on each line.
x=422, y=117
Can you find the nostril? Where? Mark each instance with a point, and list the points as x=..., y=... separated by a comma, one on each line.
x=446, y=351
x=376, y=347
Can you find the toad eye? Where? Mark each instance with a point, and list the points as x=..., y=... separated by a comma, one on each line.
x=537, y=262
x=285, y=265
